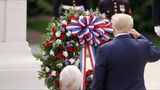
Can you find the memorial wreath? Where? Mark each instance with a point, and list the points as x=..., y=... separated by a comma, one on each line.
x=66, y=42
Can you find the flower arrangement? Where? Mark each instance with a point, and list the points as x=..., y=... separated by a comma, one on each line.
x=66, y=38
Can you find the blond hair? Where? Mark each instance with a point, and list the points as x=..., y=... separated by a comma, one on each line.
x=122, y=23
x=70, y=78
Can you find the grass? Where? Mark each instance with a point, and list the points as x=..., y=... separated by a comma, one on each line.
x=37, y=24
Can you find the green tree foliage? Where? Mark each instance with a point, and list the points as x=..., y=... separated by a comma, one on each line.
x=142, y=14
x=35, y=7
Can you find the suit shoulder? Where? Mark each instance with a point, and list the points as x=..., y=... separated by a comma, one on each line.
x=108, y=45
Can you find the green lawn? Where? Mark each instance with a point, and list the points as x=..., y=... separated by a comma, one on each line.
x=37, y=24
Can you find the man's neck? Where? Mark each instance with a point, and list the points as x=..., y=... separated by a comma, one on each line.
x=119, y=34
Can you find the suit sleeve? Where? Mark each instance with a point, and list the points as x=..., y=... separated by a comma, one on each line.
x=99, y=71
x=153, y=52
x=56, y=4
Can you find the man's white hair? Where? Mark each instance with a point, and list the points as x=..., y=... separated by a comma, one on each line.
x=70, y=78
x=122, y=23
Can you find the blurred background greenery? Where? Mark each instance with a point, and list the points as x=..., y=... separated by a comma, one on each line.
x=39, y=12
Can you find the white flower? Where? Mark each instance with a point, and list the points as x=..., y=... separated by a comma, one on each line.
x=68, y=33
x=77, y=63
x=64, y=22
x=65, y=53
x=59, y=65
x=91, y=76
x=81, y=17
x=53, y=45
x=43, y=53
x=87, y=12
x=58, y=41
x=54, y=73
x=47, y=69
x=71, y=60
x=77, y=44
x=58, y=33
x=53, y=24
x=51, y=52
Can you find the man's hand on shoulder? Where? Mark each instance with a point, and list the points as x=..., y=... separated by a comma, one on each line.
x=135, y=34
x=157, y=30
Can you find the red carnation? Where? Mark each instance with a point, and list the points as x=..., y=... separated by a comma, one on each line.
x=63, y=36
x=48, y=44
x=64, y=25
x=69, y=48
x=89, y=72
x=59, y=55
x=54, y=38
x=57, y=74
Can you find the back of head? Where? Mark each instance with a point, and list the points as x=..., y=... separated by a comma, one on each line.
x=122, y=23
x=70, y=78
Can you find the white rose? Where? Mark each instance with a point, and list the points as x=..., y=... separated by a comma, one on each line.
x=51, y=52
x=59, y=65
x=65, y=53
x=77, y=44
x=71, y=60
x=68, y=33
x=53, y=45
x=64, y=22
x=43, y=53
x=91, y=76
x=87, y=12
x=81, y=17
x=54, y=73
x=58, y=33
x=58, y=41
x=47, y=69
x=77, y=62
x=53, y=24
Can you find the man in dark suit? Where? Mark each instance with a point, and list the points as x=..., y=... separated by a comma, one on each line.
x=156, y=16
x=120, y=63
x=111, y=7
x=66, y=4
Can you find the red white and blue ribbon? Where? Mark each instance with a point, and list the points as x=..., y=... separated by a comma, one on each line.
x=90, y=31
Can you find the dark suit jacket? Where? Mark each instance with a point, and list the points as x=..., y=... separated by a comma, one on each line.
x=120, y=63
x=156, y=12
x=108, y=7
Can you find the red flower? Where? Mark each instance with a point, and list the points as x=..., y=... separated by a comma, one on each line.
x=63, y=36
x=64, y=25
x=48, y=44
x=54, y=38
x=57, y=74
x=89, y=72
x=59, y=55
x=69, y=48
x=57, y=83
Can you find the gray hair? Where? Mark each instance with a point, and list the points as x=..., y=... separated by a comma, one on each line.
x=122, y=23
x=70, y=78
